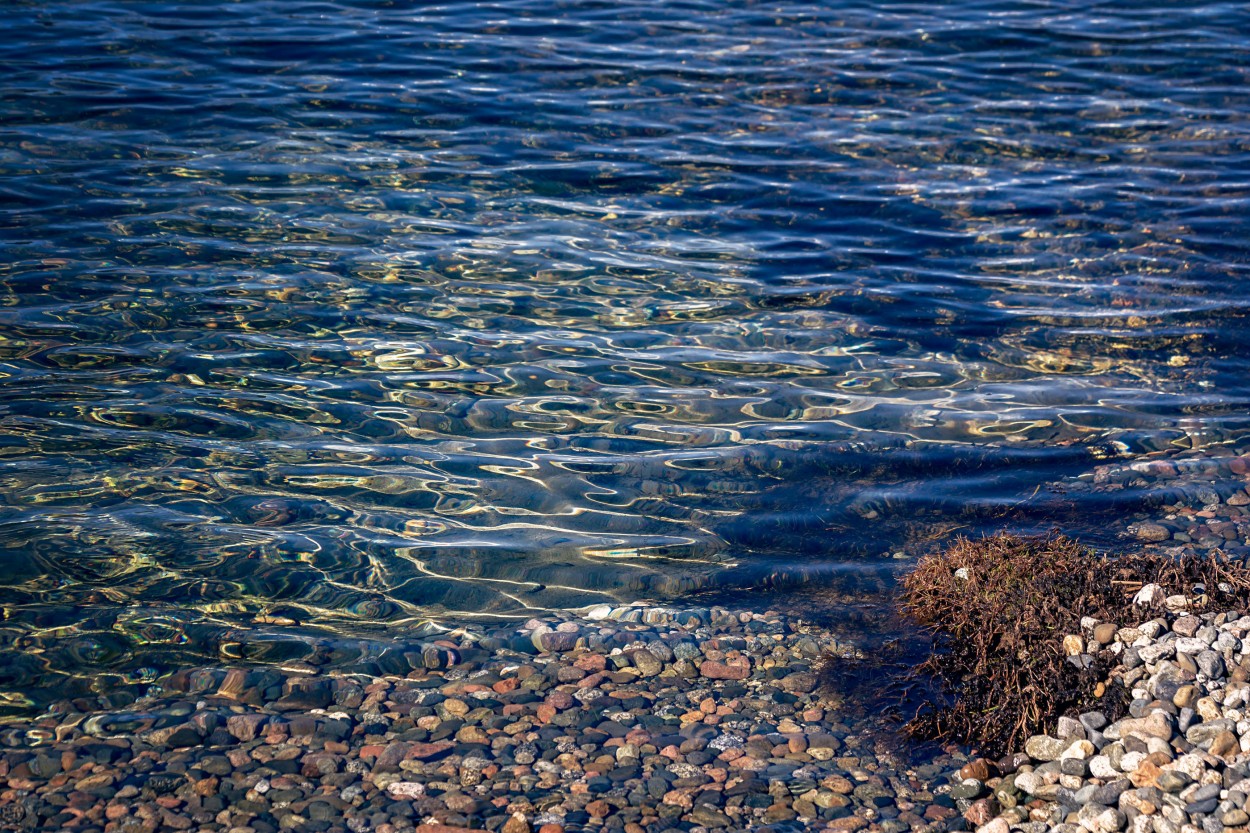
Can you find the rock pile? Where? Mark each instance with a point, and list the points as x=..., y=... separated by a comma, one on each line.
x=1178, y=763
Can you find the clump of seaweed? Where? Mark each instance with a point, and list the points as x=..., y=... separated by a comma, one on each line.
x=999, y=609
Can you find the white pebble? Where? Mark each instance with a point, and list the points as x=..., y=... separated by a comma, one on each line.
x=1100, y=767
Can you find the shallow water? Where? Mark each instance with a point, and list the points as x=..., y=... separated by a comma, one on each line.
x=335, y=320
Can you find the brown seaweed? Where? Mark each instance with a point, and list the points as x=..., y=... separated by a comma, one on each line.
x=999, y=609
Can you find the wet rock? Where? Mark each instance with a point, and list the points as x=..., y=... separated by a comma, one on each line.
x=245, y=727
x=1151, y=532
x=738, y=668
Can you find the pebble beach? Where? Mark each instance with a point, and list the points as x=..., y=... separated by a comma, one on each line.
x=638, y=719
x=645, y=719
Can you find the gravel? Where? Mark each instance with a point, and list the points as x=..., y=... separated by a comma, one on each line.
x=1177, y=763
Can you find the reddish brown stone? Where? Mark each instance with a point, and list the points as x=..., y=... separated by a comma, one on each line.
x=425, y=751
x=591, y=662
x=980, y=769
x=1145, y=775
x=981, y=812
x=394, y=753
x=560, y=700
x=737, y=668
x=936, y=812
x=838, y=784
x=245, y=727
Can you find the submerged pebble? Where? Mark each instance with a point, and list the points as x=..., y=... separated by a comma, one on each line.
x=638, y=719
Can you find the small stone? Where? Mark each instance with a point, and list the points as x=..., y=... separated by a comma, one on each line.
x=1099, y=819
x=981, y=812
x=428, y=751
x=1152, y=533
x=1044, y=748
x=1185, y=696
x=1100, y=767
x=1211, y=664
x=183, y=736
x=1225, y=745
x=705, y=815
x=1208, y=709
x=803, y=682
x=978, y=770
x=1187, y=625
x=1081, y=749
x=967, y=789
x=1145, y=774
x=245, y=727
x=516, y=824
x=647, y=663
x=406, y=790
x=1156, y=725
x=1235, y=818
x=1173, y=781
x=738, y=668
x=1203, y=733
x=1093, y=720
x=1104, y=634
x=1028, y=782
x=1176, y=603
x=304, y=694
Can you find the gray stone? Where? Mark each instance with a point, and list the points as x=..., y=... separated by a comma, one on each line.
x=1093, y=720
x=1204, y=733
x=1151, y=654
x=1109, y=794
x=1044, y=748
x=1211, y=664
x=1173, y=781
x=1069, y=728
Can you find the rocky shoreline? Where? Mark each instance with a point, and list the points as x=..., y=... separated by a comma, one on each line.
x=636, y=719
x=631, y=719
x=1177, y=763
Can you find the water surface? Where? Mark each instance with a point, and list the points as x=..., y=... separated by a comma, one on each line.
x=346, y=320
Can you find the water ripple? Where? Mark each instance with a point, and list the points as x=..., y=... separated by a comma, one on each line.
x=341, y=320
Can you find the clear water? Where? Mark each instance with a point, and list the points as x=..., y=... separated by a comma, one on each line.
x=331, y=320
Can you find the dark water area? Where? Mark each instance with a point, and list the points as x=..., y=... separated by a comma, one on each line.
x=343, y=323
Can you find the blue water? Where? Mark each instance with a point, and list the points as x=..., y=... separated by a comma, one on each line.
x=330, y=320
